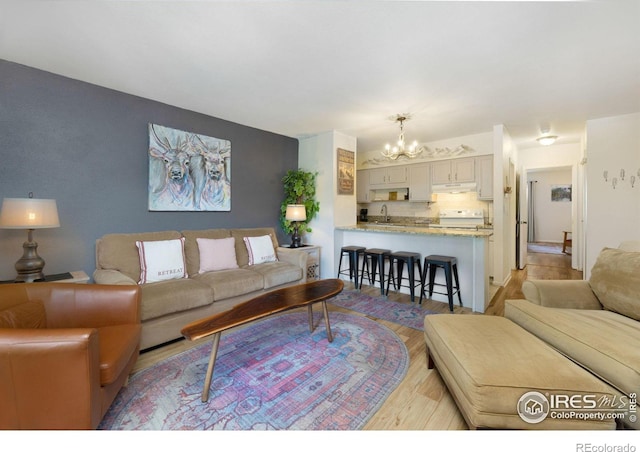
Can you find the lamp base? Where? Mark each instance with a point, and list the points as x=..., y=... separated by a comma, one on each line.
x=30, y=265
x=295, y=238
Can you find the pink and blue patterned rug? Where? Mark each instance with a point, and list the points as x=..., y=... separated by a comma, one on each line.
x=411, y=315
x=270, y=375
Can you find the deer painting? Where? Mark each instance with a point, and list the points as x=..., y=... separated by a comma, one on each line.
x=187, y=171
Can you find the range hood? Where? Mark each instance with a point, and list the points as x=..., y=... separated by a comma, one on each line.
x=462, y=187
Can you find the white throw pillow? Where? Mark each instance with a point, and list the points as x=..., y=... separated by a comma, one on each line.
x=161, y=260
x=260, y=249
x=217, y=254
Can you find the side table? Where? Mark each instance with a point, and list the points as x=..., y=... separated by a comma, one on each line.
x=313, y=263
x=77, y=277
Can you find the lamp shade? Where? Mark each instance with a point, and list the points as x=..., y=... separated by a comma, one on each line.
x=29, y=213
x=296, y=212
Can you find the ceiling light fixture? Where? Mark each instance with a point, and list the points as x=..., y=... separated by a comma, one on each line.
x=393, y=153
x=546, y=139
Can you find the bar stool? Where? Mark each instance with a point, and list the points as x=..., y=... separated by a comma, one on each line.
x=354, y=253
x=377, y=256
x=450, y=266
x=400, y=258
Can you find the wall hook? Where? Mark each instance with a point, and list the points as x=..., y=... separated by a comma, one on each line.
x=606, y=175
x=614, y=182
x=622, y=174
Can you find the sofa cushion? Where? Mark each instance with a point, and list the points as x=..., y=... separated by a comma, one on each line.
x=191, y=250
x=604, y=342
x=615, y=279
x=161, y=260
x=241, y=250
x=260, y=249
x=117, y=345
x=277, y=273
x=167, y=297
x=119, y=251
x=30, y=314
x=231, y=283
x=489, y=364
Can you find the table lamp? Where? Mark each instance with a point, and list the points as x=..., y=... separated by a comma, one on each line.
x=29, y=214
x=296, y=213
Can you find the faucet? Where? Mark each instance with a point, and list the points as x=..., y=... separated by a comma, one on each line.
x=384, y=211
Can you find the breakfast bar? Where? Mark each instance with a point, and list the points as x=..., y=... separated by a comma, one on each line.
x=469, y=246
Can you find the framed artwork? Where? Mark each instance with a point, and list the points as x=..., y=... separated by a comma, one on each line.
x=188, y=171
x=561, y=193
x=346, y=176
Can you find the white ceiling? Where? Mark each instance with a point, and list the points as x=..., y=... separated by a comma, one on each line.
x=305, y=67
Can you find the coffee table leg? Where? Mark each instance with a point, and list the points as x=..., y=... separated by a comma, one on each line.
x=310, y=310
x=326, y=321
x=212, y=361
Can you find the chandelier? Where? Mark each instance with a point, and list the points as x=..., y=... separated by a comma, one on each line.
x=393, y=153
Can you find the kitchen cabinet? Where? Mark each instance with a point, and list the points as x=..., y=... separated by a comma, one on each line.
x=389, y=177
x=454, y=170
x=420, y=182
x=484, y=166
x=363, y=194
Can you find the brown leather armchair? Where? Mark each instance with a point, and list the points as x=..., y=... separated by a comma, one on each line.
x=65, y=352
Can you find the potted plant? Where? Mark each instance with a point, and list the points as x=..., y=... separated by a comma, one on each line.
x=299, y=188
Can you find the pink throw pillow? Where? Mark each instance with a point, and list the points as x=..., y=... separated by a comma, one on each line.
x=217, y=254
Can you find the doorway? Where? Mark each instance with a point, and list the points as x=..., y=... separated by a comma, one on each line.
x=545, y=212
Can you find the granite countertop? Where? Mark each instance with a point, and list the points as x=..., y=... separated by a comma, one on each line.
x=417, y=229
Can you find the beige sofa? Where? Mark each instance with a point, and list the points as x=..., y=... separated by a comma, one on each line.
x=595, y=323
x=166, y=306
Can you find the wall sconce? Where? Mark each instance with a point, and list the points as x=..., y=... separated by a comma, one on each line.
x=29, y=214
x=296, y=213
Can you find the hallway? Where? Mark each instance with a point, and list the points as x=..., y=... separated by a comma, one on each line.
x=544, y=261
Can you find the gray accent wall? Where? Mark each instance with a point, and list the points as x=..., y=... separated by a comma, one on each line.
x=86, y=147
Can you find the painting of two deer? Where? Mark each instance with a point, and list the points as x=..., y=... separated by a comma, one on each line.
x=188, y=171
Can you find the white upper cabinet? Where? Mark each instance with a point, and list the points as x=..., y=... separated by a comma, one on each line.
x=419, y=182
x=484, y=167
x=389, y=177
x=455, y=170
x=362, y=186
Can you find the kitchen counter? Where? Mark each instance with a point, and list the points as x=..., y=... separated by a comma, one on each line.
x=469, y=246
x=418, y=229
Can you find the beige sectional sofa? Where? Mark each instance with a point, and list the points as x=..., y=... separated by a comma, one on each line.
x=168, y=305
x=595, y=323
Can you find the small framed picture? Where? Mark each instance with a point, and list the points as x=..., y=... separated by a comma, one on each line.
x=346, y=160
x=561, y=193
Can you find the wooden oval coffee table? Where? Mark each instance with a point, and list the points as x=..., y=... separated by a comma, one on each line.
x=262, y=306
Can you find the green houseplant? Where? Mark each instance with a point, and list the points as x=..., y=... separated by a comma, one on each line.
x=299, y=188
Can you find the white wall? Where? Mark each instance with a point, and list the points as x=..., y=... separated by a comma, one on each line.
x=613, y=144
x=503, y=205
x=481, y=143
x=551, y=218
x=319, y=154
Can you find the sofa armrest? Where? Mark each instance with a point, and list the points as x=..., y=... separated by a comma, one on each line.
x=49, y=379
x=112, y=277
x=293, y=256
x=87, y=305
x=567, y=294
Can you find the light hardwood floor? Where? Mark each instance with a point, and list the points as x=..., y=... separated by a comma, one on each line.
x=421, y=401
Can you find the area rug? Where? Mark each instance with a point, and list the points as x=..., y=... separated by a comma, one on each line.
x=410, y=315
x=544, y=247
x=270, y=375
